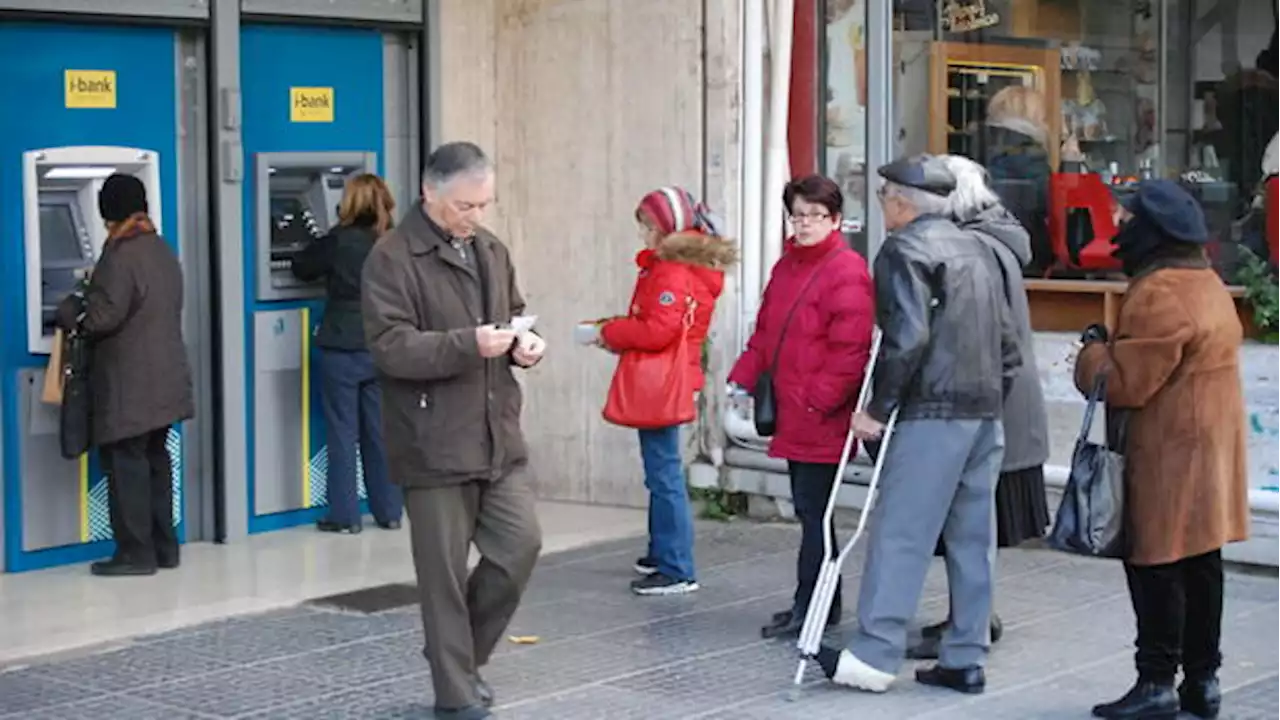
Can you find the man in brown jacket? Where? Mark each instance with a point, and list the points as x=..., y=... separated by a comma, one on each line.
x=439, y=296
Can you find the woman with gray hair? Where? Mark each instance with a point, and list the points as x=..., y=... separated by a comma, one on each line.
x=1021, y=510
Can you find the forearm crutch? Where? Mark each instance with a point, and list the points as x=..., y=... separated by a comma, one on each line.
x=824, y=591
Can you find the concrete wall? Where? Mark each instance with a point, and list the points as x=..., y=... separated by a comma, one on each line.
x=585, y=105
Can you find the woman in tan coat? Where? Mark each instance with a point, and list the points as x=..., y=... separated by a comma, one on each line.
x=1174, y=367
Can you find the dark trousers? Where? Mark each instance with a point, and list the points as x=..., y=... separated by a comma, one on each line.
x=464, y=615
x=353, y=416
x=810, y=490
x=1179, y=609
x=140, y=498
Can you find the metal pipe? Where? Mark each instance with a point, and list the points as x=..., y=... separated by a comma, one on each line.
x=752, y=149
x=776, y=160
x=881, y=125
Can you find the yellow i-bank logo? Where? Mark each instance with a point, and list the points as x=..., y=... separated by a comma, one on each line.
x=311, y=104
x=90, y=89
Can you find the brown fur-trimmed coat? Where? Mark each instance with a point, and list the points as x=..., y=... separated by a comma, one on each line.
x=1174, y=362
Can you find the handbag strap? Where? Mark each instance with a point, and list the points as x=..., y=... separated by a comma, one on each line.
x=777, y=351
x=1095, y=398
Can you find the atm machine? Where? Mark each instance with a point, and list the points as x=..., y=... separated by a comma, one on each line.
x=62, y=231
x=64, y=502
x=295, y=202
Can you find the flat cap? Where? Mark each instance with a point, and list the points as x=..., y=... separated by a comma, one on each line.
x=1168, y=206
x=923, y=172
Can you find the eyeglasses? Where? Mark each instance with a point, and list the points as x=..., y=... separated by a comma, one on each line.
x=809, y=217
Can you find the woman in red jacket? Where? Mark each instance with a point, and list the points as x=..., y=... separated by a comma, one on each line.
x=813, y=333
x=681, y=269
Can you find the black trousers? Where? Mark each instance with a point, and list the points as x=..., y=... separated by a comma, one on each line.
x=810, y=489
x=1179, y=609
x=140, y=498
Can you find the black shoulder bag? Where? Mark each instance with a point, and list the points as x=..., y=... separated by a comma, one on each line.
x=764, y=398
x=75, y=425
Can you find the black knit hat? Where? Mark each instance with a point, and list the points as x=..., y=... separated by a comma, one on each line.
x=120, y=197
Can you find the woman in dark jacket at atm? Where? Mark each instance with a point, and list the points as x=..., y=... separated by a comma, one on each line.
x=351, y=397
x=140, y=382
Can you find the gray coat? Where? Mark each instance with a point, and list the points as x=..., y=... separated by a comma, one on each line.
x=449, y=416
x=1026, y=429
x=139, y=378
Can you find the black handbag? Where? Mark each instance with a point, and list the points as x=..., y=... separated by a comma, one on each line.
x=763, y=397
x=75, y=424
x=1091, y=518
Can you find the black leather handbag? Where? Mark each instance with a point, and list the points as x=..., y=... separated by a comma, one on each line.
x=75, y=425
x=1091, y=518
x=764, y=397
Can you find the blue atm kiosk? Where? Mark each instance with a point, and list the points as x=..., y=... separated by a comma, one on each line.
x=88, y=101
x=312, y=120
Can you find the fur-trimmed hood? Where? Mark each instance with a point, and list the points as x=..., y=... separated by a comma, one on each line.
x=695, y=248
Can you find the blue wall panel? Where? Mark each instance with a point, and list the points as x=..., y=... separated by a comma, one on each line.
x=275, y=58
x=33, y=57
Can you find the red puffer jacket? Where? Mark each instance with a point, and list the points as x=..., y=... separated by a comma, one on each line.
x=684, y=265
x=824, y=353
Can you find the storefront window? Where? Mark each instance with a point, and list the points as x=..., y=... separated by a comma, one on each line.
x=843, y=118
x=1069, y=103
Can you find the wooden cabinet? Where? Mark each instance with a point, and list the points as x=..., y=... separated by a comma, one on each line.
x=964, y=76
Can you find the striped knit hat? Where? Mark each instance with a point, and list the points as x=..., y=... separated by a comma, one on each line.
x=674, y=209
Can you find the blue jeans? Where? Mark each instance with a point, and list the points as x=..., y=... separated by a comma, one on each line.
x=670, y=513
x=353, y=413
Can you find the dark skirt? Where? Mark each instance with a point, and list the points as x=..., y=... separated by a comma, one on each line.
x=1022, y=512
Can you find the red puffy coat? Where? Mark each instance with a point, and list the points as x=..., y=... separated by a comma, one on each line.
x=683, y=265
x=824, y=353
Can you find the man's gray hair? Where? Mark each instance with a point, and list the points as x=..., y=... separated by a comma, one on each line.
x=923, y=201
x=452, y=161
x=973, y=192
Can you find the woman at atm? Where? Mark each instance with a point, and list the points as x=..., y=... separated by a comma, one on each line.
x=351, y=398
x=140, y=381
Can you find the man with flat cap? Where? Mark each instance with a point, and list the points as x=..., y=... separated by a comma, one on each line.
x=948, y=353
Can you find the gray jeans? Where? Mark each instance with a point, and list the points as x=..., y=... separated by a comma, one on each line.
x=939, y=477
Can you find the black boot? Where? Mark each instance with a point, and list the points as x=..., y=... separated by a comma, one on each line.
x=122, y=566
x=970, y=680
x=1146, y=700
x=1201, y=697
x=788, y=624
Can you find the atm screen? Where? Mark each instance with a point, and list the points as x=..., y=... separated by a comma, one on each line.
x=59, y=239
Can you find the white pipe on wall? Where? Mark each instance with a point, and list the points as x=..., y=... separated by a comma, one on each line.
x=752, y=156
x=775, y=164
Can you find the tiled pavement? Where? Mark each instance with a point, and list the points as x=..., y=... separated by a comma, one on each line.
x=604, y=654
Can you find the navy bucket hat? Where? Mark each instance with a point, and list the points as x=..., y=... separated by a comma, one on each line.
x=1169, y=207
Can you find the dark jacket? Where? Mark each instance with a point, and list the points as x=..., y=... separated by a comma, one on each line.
x=338, y=258
x=449, y=415
x=1019, y=169
x=686, y=266
x=1026, y=429
x=949, y=347
x=822, y=358
x=139, y=378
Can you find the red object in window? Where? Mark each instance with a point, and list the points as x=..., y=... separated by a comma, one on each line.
x=1087, y=192
x=1273, y=216
x=806, y=99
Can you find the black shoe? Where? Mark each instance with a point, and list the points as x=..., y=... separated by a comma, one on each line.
x=926, y=649
x=935, y=630
x=470, y=712
x=1201, y=697
x=1145, y=701
x=659, y=584
x=484, y=691
x=168, y=563
x=329, y=526
x=789, y=624
x=120, y=567
x=390, y=525
x=645, y=566
x=997, y=629
x=970, y=680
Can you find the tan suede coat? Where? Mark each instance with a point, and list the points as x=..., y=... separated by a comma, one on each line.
x=1174, y=361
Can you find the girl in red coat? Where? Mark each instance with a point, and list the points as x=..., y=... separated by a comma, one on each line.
x=813, y=333
x=681, y=268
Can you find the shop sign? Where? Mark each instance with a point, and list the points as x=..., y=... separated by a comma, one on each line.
x=959, y=16
x=89, y=89
x=311, y=104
